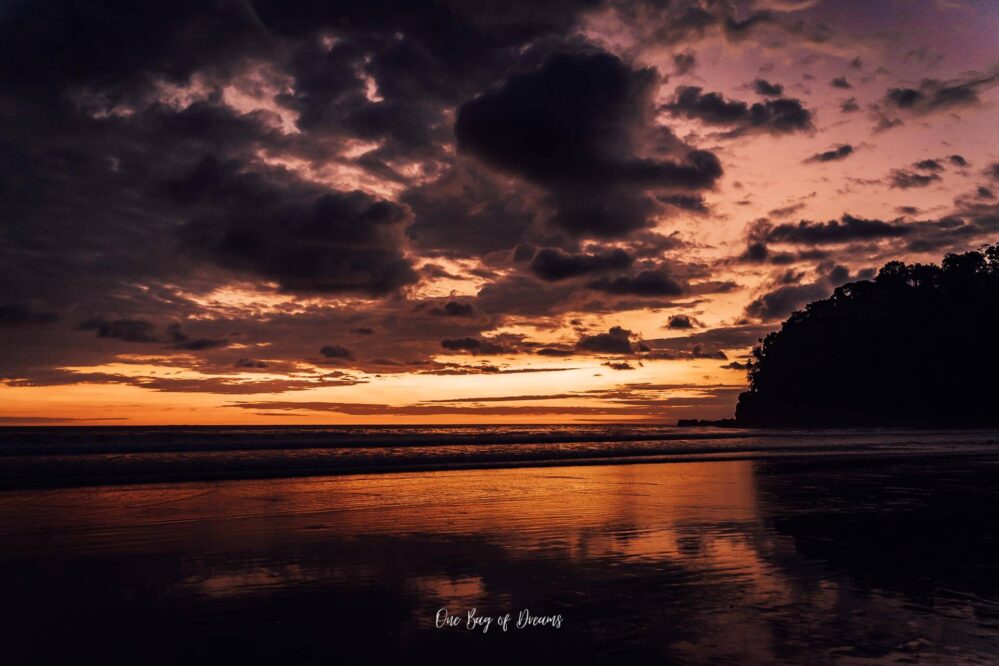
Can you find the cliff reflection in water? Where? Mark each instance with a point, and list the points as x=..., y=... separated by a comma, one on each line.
x=695, y=562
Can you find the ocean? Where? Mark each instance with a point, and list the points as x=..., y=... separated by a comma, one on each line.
x=58, y=456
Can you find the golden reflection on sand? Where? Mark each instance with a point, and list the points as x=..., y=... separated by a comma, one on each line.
x=681, y=559
x=523, y=503
x=625, y=512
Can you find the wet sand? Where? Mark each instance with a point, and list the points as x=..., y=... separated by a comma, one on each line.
x=832, y=561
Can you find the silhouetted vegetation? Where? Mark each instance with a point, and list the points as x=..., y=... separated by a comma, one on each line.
x=915, y=346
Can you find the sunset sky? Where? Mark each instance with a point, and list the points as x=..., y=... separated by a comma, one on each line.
x=439, y=212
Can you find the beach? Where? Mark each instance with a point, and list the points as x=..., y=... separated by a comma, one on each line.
x=499, y=333
x=78, y=456
x=834, y=559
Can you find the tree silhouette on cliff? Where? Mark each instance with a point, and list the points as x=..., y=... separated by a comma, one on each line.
x=918, y=345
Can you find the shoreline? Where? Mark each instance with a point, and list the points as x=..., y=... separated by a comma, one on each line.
x=176, y=476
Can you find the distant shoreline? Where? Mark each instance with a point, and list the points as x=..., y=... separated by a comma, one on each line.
x=708, y=423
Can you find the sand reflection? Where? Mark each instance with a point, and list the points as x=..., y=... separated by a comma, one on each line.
x=585, y=512
x=699, y=562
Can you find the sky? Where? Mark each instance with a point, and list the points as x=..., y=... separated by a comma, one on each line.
x=463, y=212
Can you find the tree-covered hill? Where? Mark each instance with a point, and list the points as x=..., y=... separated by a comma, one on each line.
x=918, y=345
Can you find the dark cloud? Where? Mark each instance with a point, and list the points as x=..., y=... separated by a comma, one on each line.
x=619, y=365
x=696, y=352
x=554, y=351
x=237, y=386
x=183, y=341
x=363, y=330
x=685, y=23
x=785, y=299
x=523, y=411
x=847, y=228
x=978, y=222
x=767, y=89
x=904, y=179
x=19, y=314
x=884, y=122
x=992, y=171
x=108, y=104
x=778, y=116
x=789, y=292
x=684, y=63
x=756, y=252
x=409, y=51
x=454, y=309
x=787, y=211
x=568, y=125
x=484, y=369
x=200, y=344
x=690, y=202
x=681, y=321
x=524, y=252
x=835, y=274
x=507, y=398
x=431, y=270
x=553, y=264
x=849, y=105
x=654, y=282
x=308, y=239
x=904, y=98
x=616, y=340
x=695, y=18
x=223, y=385
x=162, y=42
x=337, y=352
x=840, y=152
x=709, y=107
x=129, y=330
x=929, y=165
x=467, y=212
x=473, y=346
x=522, y=295
x=652, y=245
x=711, y=341
x=740, y=28
x=934, y=95
x=958, y=161
x=840, y=82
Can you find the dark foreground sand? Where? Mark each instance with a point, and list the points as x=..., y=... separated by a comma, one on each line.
x=835, y=561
